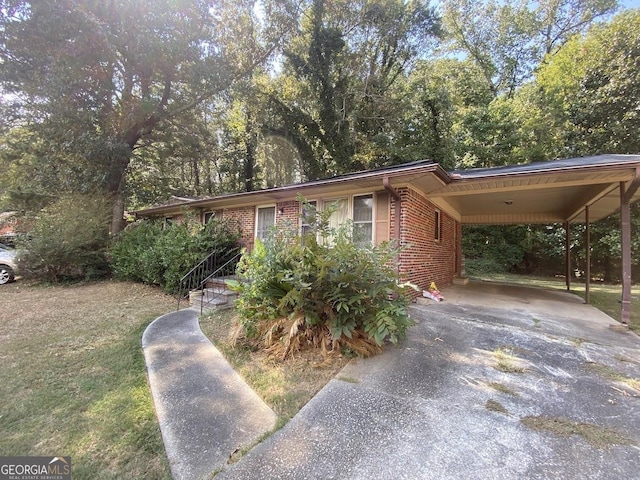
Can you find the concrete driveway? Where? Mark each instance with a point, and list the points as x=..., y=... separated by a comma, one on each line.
x=494, y=383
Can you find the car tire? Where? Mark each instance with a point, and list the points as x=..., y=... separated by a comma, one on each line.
x=6, y=274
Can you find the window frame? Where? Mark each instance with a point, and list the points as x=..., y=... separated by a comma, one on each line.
x=371, y=222
x=210, y=213
x=257, y=218
x=301, y=231
x=437, y=218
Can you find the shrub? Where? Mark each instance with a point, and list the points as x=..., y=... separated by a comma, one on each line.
x=68, y=240
x=332, y=295
x=156, y=254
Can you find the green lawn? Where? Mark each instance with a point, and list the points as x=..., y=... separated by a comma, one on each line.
x=73, y=379
x=605, y=297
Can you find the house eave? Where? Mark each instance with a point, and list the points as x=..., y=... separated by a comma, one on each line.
x=367, y=180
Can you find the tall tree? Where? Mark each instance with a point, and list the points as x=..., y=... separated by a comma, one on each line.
x=508, y=39
x=333, y=96
x=96, y=78
x=593, y=87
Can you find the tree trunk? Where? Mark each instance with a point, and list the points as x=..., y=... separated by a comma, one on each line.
x=250, y=153
x=117, y=214
x=115, y=189
x=607, y=268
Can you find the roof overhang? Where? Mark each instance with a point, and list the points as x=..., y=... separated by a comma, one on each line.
x=542, y=192
x=426, y=175
x=545, y=192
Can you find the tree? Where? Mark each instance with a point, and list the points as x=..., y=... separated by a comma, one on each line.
x=508, y=40
x=592, y=86
x=333, y=99
x=94, y=79
x=606, y=108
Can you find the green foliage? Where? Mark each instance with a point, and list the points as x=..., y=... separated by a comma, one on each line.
x=492, y=249
x=93, y=82
x=67, y=240
x=334, y=99
x=332, y=294
x=158, y=254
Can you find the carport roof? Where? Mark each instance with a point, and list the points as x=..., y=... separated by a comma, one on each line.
x=540, y=192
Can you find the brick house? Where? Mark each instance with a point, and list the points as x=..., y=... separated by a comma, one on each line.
x=424, y=207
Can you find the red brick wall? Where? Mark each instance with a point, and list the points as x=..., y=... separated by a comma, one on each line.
x=288, y=213
x=425, y=259
x=246, y=217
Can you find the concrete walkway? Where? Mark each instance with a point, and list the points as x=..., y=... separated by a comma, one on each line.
x=435, y=406
x=206, y=411
x=438, y=407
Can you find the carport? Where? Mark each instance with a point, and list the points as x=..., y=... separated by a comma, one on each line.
x=575, y=190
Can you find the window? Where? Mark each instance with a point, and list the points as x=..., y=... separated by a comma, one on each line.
x=363, y=219
x=438, y=225
x=265, y=219
x=340, y=215
x=308, y=216
x=206, y=216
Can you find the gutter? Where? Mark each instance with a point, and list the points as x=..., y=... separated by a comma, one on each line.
x=400, y=170
x=386, y=183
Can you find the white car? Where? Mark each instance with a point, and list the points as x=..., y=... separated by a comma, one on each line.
x=8, y=264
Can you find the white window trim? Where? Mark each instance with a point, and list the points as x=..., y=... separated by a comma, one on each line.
x=204, y=215
x=317, y=202
x=255, y=222
x=349, y=197
x=373, y=213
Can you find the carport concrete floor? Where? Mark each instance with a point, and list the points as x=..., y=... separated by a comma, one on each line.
x=496, y=382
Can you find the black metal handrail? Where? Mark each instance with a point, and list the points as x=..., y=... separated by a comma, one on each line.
x=198, y=275
x=224, y=272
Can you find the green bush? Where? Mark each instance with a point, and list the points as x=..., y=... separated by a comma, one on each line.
x=334, y=295
x=68, y=240
x=156, y=254
x=493, y=249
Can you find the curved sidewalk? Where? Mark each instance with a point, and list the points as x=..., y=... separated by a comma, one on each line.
x=205, y=409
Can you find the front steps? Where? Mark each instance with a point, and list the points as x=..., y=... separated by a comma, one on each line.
x=216, y=296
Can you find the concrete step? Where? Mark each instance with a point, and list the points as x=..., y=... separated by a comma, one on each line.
x=219, y=282
x=212, y=299
x=214, y=292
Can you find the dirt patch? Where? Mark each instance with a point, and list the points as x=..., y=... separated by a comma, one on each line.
x=507, y=362
x=494, y=406
x=285, y=385
x=622, y=380
x=502, y=388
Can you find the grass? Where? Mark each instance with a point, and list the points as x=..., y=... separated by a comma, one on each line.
x=494, y=406
x=596, y=436
x=502, y=388
x=603, y=296
x=613, y=375
x=73, y=380
x=506, y=362
x=286, y=386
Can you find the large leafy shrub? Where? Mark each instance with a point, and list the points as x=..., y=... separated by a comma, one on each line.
x=334, y=295
x=67, y=240
x=151, y=252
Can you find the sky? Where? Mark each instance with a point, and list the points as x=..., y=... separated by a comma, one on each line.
x=630, y=3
